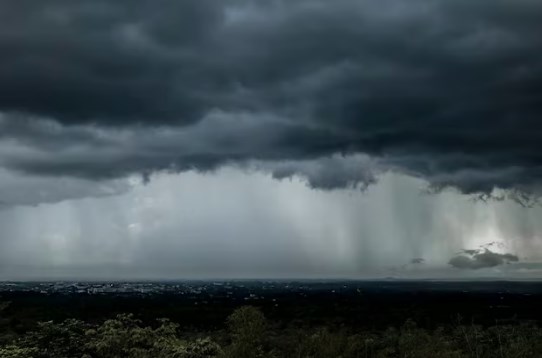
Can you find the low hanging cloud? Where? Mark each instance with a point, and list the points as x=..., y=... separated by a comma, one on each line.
x=334, y=172
x=16, y=189
x=446, y=91
x=480, y=259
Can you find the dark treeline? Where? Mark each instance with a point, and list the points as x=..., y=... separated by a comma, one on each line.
x=86, y=326
x=247, y=333
x=252, y=320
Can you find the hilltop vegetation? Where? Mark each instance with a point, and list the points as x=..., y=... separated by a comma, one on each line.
x=247, y=333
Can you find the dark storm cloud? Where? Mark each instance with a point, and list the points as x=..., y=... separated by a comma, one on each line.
x=328, y=173
x=417, y=261
x=112, y=62
x=479, y=259
x=45, y=147
x=446, y=90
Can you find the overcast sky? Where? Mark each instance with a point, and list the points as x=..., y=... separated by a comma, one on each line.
x=247, y=138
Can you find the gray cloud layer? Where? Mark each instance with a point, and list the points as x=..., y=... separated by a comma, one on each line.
x=445, y=90
x=479, y=259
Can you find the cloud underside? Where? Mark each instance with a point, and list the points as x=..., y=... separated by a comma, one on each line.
x=480, y=259
x=335, y=92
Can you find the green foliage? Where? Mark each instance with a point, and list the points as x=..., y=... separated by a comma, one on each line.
x=520, y=340
x=202, y=348
x=323, y=343
x=60, y=340
x=410, y=341
x=405, y=342
x=14, y=351
x=247, y=326
x=249, y=336
x=247, y=323
x=124, y=336
x=415, y=342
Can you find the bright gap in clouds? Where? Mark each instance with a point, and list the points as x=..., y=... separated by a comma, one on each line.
x=236, y=223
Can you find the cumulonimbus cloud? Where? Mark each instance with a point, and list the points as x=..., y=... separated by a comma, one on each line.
x=446, y=91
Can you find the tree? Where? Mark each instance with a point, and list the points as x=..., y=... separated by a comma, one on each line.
x=4, y=331
x=125, y=337
x=247, y=326
x=14, y=351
